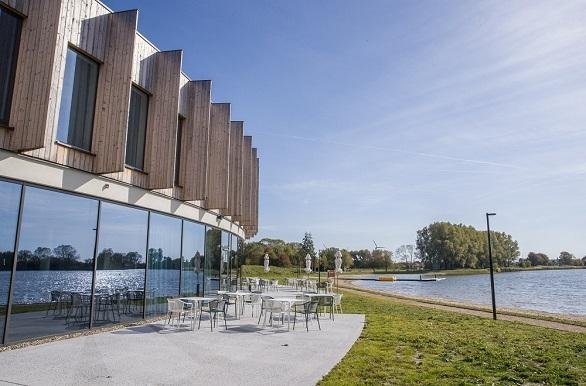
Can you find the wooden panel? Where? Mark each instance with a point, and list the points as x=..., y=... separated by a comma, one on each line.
x=84, y=24
x=161, y=137
x=219, y=160
x=34, y=75
x=246, y=218
x=144, y=63
x=113, y=96
x=235, y=186
x=255, y=185
x=195, y=102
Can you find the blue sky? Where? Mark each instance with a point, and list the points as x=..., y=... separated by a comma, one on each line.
x=375, y=118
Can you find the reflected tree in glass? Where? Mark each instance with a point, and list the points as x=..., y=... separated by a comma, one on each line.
x=163, y=262
x=121, y=264
x=9, y=201
x=213, y=253
x=53, y=282
x=193, y=260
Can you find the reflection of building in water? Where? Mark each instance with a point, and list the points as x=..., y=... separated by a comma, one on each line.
x=121, y=183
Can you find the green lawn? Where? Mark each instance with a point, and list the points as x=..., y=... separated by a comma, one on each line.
x=275, y=272
x=403, y=344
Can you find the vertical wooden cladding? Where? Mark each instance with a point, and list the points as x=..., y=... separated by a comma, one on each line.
x=235, y=186
x=246, y=218
x=193, y=171
x=161, y=137
x=218, y=158
x=113, y=95
x=33, y=78
x=255, y=185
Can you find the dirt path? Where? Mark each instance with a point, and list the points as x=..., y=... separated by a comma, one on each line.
x=454, y=308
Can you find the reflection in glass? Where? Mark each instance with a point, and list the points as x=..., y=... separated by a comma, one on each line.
x=120, y=264
x=9, y=200
x=234, y=262
x=192, y=264
x=163, y=262
x=225, y=267
x=76, y=113
x=10, y=33
x=213, y=253
x=54, y=265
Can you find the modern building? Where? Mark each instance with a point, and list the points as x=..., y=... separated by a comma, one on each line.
x=121, y=182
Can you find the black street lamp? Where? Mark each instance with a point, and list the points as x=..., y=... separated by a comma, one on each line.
x=490, y=262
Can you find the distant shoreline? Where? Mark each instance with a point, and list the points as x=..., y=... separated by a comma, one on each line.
x=459, y=271
x=571, y=319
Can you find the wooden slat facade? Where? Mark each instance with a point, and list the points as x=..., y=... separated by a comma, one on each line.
x=34, y=75
x=161, y=139
x=113, y=95
x=235, y=186
x=216, y=166
x=255, y=185
x=196, y=108
x=246, y=218
x=219, y=159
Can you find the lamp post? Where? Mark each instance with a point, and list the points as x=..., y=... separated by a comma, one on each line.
x=490, y=262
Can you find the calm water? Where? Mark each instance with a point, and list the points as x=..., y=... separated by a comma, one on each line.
x=36, y=286
x=559, y=291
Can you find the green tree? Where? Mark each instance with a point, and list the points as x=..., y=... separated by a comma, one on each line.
x=566, y=258
x=537, y=259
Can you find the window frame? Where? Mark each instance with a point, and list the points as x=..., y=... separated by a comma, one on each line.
x=148, y=95
x=180, y=122
x=14, y=65
x=98, y=63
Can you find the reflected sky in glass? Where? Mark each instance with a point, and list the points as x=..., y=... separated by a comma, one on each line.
x=51, y=219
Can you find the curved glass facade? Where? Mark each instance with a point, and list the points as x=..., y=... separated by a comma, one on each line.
x=83, y=262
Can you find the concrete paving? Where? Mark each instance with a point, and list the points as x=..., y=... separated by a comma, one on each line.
x=244, y=354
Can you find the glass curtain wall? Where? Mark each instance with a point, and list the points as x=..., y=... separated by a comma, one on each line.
x=53, y=289
x=10, y=36
x=163, y=262
x=234, y=263
x=193, y=259
x=9, y=202
x=213, y=257
x=121, y=264
x=225, y=268
x=54, y=267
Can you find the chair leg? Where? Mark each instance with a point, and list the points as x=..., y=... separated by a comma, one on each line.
x=307, y=322
x=199, y=323
x=211, y=322
x=294, y=319
x=318, y=321
x=225, y=324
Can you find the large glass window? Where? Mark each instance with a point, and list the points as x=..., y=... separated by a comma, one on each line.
x=9, y=200
x=213, y=253
x=52, y=291
x=121, y=263
x=137, y=121
x=78, y=98
x=180, y=120
x=9, y=39
x=164, y=262
x=192, y=264
x=234, y=262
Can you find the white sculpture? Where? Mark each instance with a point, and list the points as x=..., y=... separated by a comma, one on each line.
x=338, y=262
x=267, y=268
x=307, y=263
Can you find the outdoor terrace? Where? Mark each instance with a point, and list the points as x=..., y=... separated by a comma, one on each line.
x=245, y=353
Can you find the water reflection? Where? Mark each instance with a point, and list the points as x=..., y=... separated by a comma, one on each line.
x=56, y=258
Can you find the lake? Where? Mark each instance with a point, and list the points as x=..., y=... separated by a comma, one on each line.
x=557, y=291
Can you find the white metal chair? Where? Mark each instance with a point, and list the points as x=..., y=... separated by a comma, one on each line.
x=338, y=303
